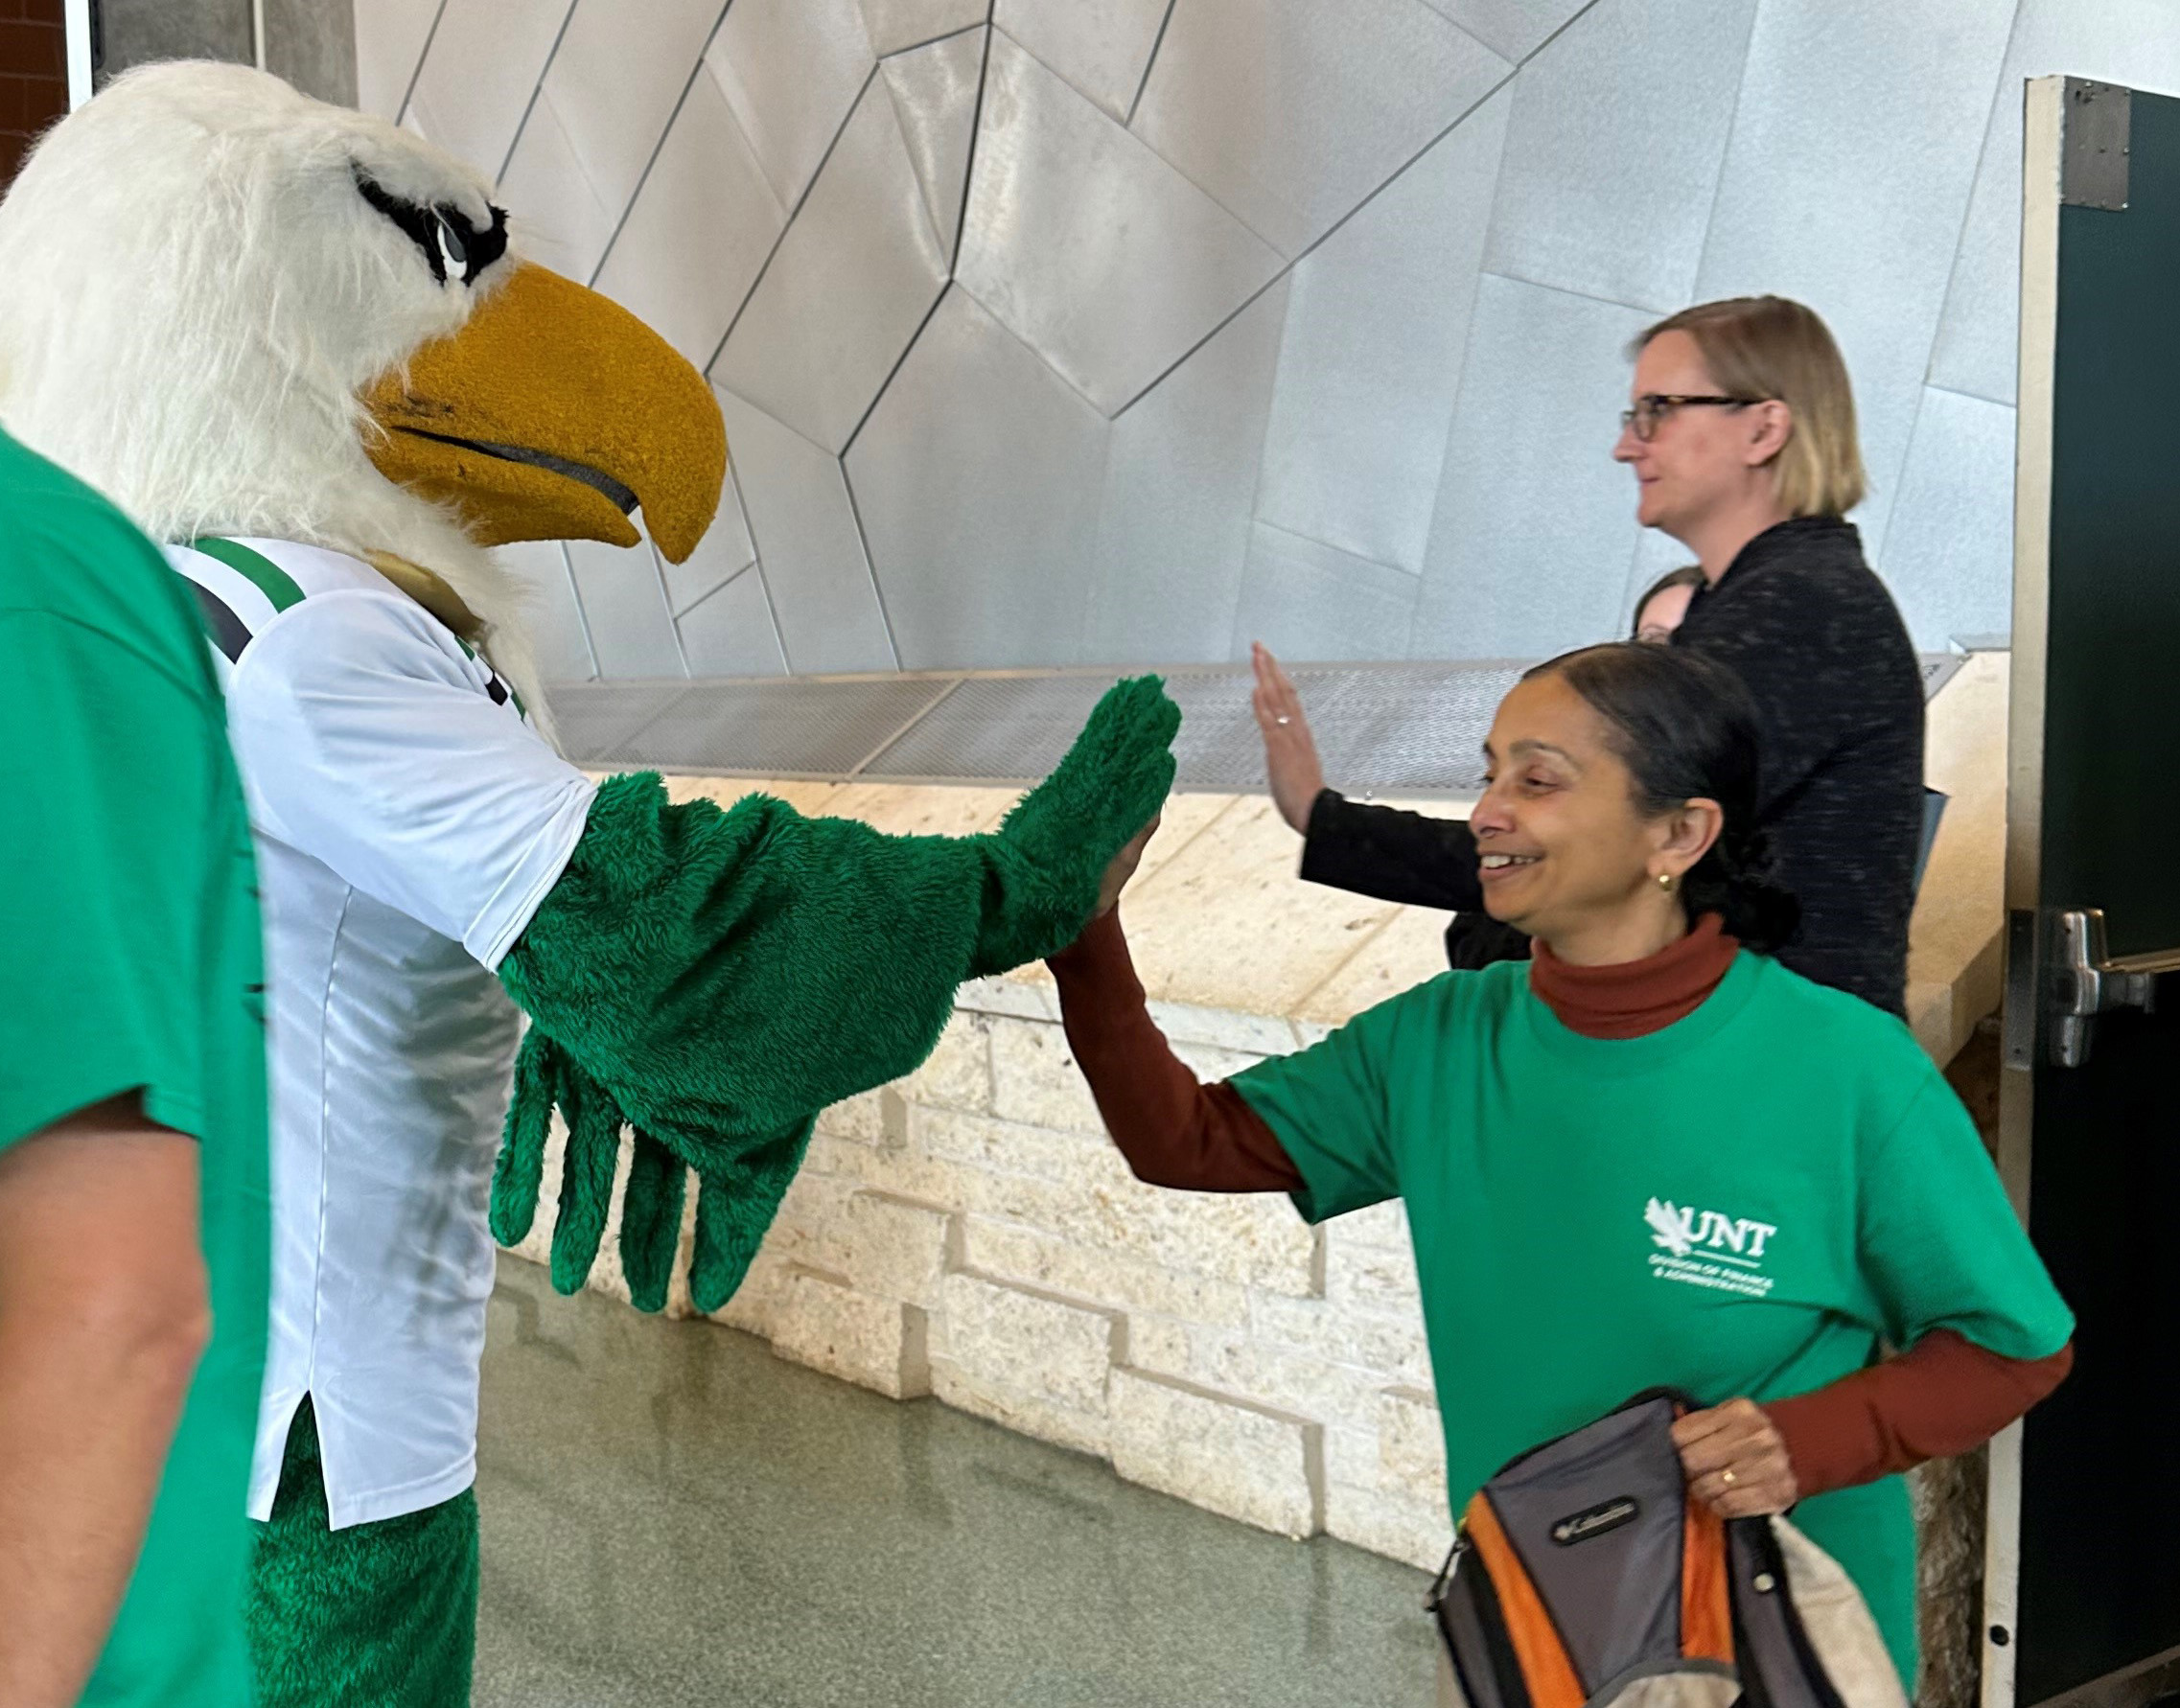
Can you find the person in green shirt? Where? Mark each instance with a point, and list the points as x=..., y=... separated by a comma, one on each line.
x=133, y=1200
x=1653, y=1157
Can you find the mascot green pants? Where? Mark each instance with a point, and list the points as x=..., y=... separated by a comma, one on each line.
x=383, y=1612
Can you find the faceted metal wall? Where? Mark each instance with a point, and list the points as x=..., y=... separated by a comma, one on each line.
x=1106, y=332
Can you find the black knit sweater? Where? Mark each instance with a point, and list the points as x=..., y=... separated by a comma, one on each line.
x=1802, y=620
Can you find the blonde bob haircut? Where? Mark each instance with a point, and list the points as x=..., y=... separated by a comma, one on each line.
x=1769, y=347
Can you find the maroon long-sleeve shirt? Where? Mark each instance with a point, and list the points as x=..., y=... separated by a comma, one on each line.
x=1942, y=1396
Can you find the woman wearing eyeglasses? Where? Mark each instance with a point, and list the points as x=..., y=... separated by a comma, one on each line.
x=1741, y=438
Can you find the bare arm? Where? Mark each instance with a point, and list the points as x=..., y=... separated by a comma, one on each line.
x=104, y=1314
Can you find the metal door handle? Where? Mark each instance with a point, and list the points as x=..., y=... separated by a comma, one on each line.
x=2086, y=980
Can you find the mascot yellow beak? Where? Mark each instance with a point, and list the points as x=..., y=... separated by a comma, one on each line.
x=551, y=415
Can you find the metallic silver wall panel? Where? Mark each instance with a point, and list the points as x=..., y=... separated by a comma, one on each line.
x=730, y=633
x=1951, y=541
x=1877, y=207
x=1511, y=29
x=485, y=59
x=935, y=97
x=784, y=728
x=614, y=85
x=137, y=32
x=1008, y=504
x=1291, y=111
x=1613, y=153
x=897, y=25
x=312, y=43
x=1376, y=326
x=596, y=719
x=1173, y=526
x=1304, y=599
x=2125, y=41
x=978, y=479
x=1103, y=47
x=699, y=231
x=791, y=70
x=852, y=279
x=554, y=215
x=555, y=622
x=624, y=608
x=1093, y=250
x=724, y=552
x=389, y=42
x=806, y=538
x=1535, y=523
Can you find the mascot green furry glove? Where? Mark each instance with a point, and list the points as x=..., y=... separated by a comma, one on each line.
x=825, y=953
x=294, y=343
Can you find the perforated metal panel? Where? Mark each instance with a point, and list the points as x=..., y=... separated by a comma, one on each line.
x=1380, y=728
x=994, y=729
x=594, y=718
x=1939, y=669
x=782, y=728
x=1404, y=727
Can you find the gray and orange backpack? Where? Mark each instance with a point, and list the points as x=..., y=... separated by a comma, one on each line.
x=1584, y=1576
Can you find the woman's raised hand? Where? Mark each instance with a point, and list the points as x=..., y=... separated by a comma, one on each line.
x=1290, y=751
x=1736, y=1461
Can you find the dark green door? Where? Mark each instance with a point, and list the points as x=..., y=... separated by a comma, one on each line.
x=2091, y=1111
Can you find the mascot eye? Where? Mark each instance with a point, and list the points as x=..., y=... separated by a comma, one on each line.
x=450, y=246
x=453, y=253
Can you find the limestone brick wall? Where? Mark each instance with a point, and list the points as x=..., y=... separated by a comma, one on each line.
x=973, y=1233
x=970, y=1232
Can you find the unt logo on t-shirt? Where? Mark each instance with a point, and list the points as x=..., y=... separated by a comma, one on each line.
x=1708, y=1248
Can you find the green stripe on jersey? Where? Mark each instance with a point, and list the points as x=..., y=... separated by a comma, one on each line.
x=269, y=579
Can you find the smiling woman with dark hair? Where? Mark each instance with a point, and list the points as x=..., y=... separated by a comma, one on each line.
x=1650, y=1157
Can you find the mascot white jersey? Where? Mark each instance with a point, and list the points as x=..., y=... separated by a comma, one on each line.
x=295, y=343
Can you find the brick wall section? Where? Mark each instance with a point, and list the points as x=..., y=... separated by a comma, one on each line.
x=33, y=77
x=970, y=1234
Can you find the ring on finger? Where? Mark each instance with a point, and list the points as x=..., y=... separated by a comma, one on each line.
x=1283, y=718
x=1726, y=1476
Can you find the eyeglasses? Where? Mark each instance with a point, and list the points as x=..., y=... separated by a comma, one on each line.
x=1653, y=407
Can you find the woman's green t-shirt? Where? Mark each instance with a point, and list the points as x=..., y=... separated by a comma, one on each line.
x=1754, y=1201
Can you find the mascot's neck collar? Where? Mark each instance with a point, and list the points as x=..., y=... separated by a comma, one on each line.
x=431, y=592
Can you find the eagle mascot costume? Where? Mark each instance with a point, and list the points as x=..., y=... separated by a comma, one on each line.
x=296, y=344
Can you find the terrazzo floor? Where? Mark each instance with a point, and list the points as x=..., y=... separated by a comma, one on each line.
x=671, y=1515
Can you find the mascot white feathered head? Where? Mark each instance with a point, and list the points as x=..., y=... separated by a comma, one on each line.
x=239, y=310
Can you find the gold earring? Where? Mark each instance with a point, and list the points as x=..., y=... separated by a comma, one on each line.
x=1668, y=883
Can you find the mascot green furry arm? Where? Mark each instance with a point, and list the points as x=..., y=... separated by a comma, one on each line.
x=714, y=978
